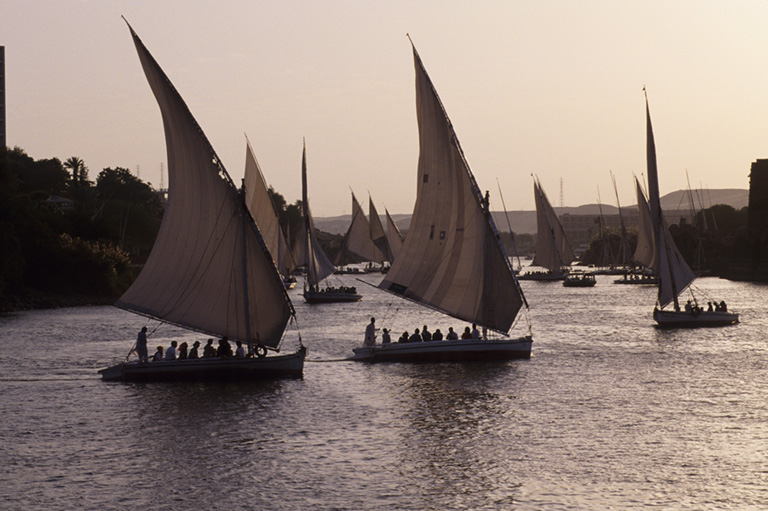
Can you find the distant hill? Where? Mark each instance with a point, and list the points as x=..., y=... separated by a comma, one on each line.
x=524, y=222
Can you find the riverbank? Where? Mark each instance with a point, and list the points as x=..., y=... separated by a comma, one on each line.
x=39, y=300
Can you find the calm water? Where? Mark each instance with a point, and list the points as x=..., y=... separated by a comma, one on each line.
x=610, y=413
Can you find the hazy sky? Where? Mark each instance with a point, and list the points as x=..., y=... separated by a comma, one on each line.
x=552, y=87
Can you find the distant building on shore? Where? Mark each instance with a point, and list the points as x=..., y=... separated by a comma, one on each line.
x=758, y=213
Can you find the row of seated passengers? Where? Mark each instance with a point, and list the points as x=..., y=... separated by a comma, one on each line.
x=426, y=336
x=209, y=351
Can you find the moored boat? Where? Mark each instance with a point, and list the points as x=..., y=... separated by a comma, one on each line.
x=579, y=279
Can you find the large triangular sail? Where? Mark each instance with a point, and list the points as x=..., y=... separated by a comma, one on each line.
x=209, y=269
x=452, y=258
x=378, y=234
x=262, y=210
x=645, y=252
x=673, y=272
x=394, y=237
x=318, y=265
x=552, y=248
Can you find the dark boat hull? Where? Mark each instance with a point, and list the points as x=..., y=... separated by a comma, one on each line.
x=209, y=369
x=445, y=351
x=702, y=319
x=324, y=297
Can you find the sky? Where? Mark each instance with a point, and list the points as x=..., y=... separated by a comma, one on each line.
x=552, y=88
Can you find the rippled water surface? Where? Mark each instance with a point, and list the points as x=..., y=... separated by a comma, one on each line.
x=609, y=413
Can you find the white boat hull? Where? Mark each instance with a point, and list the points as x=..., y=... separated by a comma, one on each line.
x=445, y=351
x=205, y=369
x=684, y=319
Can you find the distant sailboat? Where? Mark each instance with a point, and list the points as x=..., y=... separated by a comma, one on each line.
x=358, y=242
x=209, y=269
x=645, y=251
x=378, y=234
x=674, y=274
x=553, y=251
x=262, y=209
x=319, y=267
x=394, y=238
x=452, y=259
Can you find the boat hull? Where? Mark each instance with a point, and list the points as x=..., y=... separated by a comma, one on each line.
x=209, y=369
x=702, y=319
x=542, y=277
x=445, y=351
x=331, y=297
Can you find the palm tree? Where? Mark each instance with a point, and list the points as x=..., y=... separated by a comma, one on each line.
x=78, y=168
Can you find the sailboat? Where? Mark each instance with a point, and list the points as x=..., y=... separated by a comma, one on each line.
x=262, y=209
x=358, y=241
x=553, y=251
x=394, y=237
x=674, y=274
x=209, y=270
x=378, y=234
x=452, y=258
x=319, y=267
x=645, y=251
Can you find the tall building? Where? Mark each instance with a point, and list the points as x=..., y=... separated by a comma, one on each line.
x=2, y=96
x=758, y=211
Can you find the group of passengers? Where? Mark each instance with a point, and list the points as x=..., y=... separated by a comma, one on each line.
x=711, y=307
x=182, y=351
x=423, y=335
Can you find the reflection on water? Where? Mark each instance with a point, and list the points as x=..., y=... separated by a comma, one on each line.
x=610, y=412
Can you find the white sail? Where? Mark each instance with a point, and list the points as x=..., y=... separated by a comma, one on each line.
x=357, y=239
x=645, y=252
x=260, y=205
x=209, y=269
x=394, y=238
x=452, y=259
x=318, y=264
x=552, y=248
x=673, y=272
x=378, y=234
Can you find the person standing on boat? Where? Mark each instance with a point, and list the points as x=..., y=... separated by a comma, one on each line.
x=475, y=332
x=370, y=333
x=141, y=345
x=426, y=335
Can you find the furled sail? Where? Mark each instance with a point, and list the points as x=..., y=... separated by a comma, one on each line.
x=394, y=238
x=209, y=269
x=378, y=234
x=262, y=209
x=645, y=252
x=452, y=259
x=673, y=272
x=357, y=239
x=318, y=264
x=552, y=248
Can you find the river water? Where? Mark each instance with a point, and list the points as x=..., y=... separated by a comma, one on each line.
x=609, y=413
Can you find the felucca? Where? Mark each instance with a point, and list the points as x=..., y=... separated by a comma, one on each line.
x=452, y=259
x=674, y=274
x=209, y=270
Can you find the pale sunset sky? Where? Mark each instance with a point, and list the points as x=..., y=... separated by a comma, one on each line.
x=546, y=87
